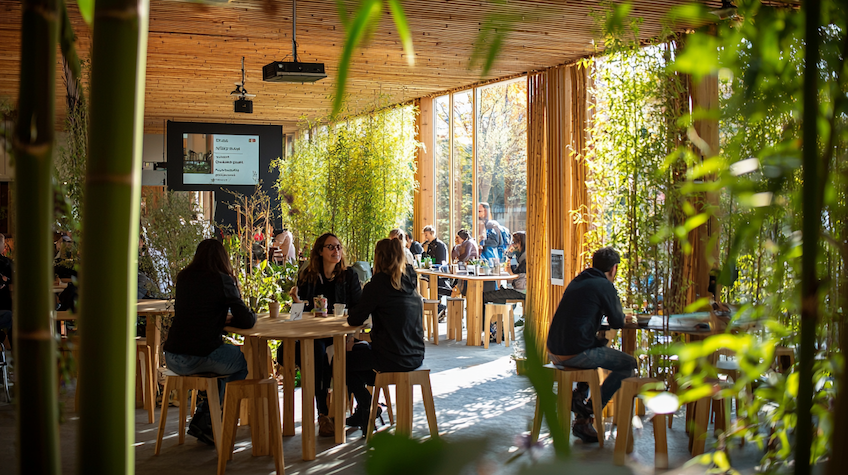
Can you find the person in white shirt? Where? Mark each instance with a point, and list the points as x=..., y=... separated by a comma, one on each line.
x=398, y=234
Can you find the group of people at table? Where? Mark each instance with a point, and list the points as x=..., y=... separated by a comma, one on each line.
x=208, y=299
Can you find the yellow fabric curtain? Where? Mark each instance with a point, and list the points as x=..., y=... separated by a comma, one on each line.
x=557, y=198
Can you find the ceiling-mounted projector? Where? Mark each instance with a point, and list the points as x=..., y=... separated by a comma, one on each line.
x=293, y=71
x=280, y=71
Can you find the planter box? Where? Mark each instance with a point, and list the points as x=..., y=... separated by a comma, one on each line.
x=521, y=366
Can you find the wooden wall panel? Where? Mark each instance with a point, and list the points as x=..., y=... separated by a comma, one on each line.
x=425, y=171
x=556, y=184
x=195, y=51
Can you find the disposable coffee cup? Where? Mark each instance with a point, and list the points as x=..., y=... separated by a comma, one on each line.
x=339, y=309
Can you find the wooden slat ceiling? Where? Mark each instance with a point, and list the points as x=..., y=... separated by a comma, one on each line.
x=195, y=50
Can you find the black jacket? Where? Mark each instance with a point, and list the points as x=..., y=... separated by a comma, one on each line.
x=397, y=337
x=586, y=300
x=6, y=266
x=348, y=290
x=200, y=312
x=437, y=250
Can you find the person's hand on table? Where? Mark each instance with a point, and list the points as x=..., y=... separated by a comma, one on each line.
x=293, y=294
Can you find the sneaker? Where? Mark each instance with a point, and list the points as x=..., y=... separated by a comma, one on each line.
x=326, y=427
x=585, y=431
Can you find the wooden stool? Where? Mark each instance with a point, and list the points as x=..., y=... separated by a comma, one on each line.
x=265, y=431
x=700, y=419
x=144, y=354
x=4, y=368
x=198, y=382
x=431, y=319
x=784, y=358
x=456, y=308
x=512, y=303
x=423, y=287
x=630, y=388
x=565, y=377
x=502, y=313
x=403, y=386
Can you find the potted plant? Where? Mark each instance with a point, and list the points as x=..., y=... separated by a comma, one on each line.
x=283, y=278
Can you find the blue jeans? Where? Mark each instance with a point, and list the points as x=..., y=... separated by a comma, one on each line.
x=226, y=359
x=621, y=365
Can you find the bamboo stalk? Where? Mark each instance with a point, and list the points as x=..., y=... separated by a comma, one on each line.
x=35, y=348
x=109, y=257
x=811, y=225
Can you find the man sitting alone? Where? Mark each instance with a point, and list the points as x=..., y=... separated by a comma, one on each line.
x=572, y=340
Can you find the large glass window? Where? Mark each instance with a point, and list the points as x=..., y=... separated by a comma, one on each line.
x=480, y=156
x=463, y=161
x=442, y=155
x=502, y=152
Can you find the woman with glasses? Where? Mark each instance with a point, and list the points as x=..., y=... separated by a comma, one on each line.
x=327, y=274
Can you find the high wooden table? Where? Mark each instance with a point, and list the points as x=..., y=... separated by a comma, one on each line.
x=473, y=296
x=153, y=309
x=258, y=357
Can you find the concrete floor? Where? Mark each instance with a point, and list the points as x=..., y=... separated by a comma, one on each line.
x=477, y=394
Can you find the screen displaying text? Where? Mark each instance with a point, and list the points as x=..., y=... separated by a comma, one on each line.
x=219, y=159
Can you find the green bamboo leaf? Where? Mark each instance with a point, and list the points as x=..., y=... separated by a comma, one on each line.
x=403, y=30
x=86, y=8
x=342, y=9
x=367, y=14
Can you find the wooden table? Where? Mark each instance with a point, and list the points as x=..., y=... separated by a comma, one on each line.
x=474, y=299
x=686, y=323
x=153, y=309
x=258, y=355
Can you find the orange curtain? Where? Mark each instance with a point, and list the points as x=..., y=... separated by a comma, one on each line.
x=557, y=198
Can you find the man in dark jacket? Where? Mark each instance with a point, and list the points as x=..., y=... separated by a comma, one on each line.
x=436, y=249
x=572, y=340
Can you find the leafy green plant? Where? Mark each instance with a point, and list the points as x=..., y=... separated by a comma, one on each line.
x=354, y=178
x=172, y=232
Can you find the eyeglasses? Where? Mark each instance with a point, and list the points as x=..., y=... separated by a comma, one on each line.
x=333, y=247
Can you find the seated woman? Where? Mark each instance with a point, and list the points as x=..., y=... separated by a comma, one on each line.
x=518, y=249
x=206, y=291
x=326, y=274
x=397, y=335
x=465, y=248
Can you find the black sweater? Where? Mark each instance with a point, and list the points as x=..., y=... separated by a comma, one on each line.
x=397, y=337
x=586, y=300
x=347, y=290
x=200, y=312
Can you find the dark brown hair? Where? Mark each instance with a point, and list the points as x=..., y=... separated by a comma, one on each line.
x=315, y=267
x=210, y=256
x=520, y=238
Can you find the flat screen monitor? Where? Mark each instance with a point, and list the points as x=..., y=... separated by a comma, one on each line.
x=214, y=157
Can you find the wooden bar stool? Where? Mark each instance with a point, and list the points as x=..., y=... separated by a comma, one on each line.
x=512, y=303
x=198, y=382
x=564, y=378
x=456, y=308
x=630, y=388
x=502, y=314
x=431, y=319
x=145, y=369
x=266, y=430
x=404, y=381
